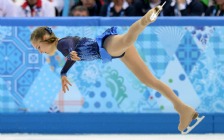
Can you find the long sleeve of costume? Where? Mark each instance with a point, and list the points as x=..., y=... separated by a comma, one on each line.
x=86, y=48
x=65, y=46
x=67, y=66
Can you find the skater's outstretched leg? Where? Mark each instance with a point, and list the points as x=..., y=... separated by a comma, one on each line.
x=134, y=62
x=118, y=44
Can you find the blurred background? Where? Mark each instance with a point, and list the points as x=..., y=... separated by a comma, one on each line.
x=184, y=48
x=109, y=8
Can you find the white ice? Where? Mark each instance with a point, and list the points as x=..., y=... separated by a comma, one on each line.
x=112, y=137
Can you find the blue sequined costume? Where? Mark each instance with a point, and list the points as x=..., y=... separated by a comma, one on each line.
x=86, y=48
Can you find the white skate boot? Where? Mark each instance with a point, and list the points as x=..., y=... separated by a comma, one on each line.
x=151, y=15
x=187, y=115
x=190, y=128
x=158, y=10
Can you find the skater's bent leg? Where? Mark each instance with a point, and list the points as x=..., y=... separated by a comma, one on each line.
x=118, y=44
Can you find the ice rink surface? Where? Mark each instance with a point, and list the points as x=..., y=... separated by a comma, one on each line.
x=112, y=137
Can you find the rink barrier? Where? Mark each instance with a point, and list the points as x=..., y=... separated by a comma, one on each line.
x=108, y=21
x=101, y=123
x=219, y=123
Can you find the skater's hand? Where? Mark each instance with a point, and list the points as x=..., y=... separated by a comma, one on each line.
x=74, y=56
x=65, y=83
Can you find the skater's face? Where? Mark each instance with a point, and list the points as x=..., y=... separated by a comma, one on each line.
x=44, y=40
x=44, y=47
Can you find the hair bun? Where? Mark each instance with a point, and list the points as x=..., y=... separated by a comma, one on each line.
x=48, y=29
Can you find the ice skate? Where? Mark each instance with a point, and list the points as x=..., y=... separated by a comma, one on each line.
x=187, y=115
x=152, y=15
x=155, y=14
x=190, y=128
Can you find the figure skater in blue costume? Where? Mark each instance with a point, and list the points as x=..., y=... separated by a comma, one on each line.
x=112, y=45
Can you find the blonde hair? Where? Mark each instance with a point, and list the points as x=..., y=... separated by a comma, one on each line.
x=39, y=32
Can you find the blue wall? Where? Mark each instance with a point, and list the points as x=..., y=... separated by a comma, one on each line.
x=185, y=53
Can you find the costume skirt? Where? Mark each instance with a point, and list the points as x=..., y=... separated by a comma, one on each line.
x=105, y=56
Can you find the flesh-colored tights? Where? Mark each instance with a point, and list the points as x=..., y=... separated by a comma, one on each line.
x=118, y=44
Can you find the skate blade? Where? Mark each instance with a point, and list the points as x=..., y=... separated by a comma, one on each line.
x=190, y=128
x=154, y=15
x=163, y=4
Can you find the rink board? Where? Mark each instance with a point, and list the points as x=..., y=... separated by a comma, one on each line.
x=100, y=123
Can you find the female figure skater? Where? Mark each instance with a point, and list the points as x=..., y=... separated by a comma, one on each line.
x=108, y=46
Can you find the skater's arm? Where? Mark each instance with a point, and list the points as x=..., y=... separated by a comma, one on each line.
x=66, y=67
x=73, y=57
x=67, y=49
x=64, y=80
